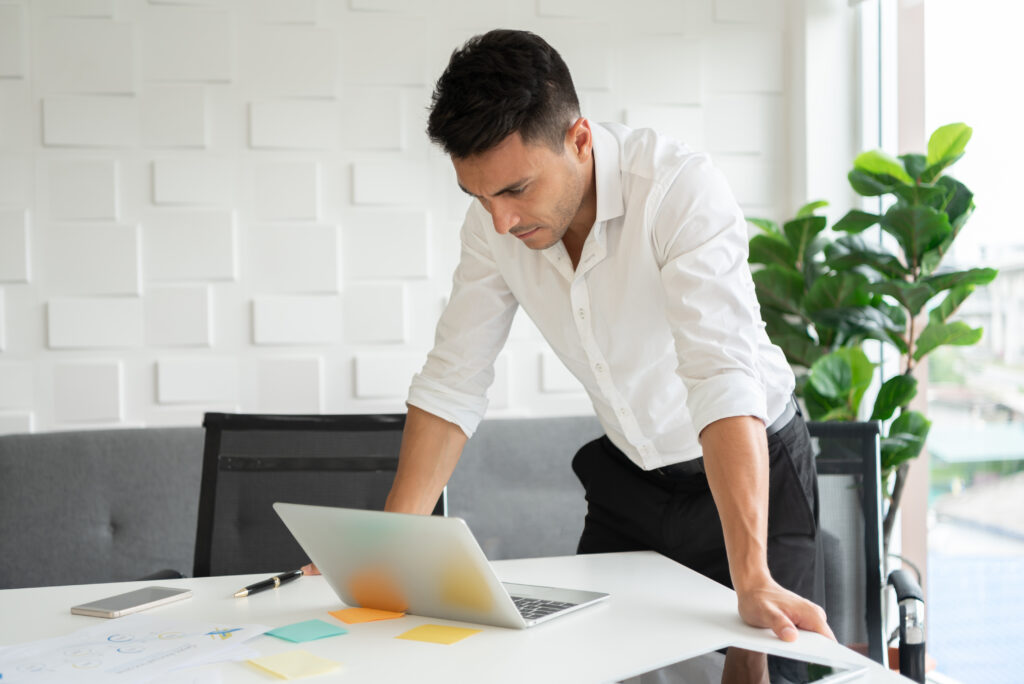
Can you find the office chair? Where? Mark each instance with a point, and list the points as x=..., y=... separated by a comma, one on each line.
x=251, y=461
x=850, y=547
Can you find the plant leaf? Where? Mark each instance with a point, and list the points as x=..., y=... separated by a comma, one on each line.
x=933, y=196
x=766, y=225
x=837, y=290
x=935, y=335
x=936, y=169
x=779, y=288
x=867, y=185
x=801, y=231
x=950, y=304
x=850, y=251
x=771, y=248
x=906, y=438
x=915, y=164
x=841, y=378
x=817, y=406
x=878, y=163
x=974, y=276
x=855, y=324
x=896, y=392
x=800, y=350
x=811, y=207
x=856, y=221
x=912, y=296
x=948, y=141
x=918, y=229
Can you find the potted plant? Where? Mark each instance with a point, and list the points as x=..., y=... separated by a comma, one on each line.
x=822, y=296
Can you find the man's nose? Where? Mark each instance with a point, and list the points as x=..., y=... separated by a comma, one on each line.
x=504, y=216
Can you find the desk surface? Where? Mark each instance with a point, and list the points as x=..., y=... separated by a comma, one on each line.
x=659, y=613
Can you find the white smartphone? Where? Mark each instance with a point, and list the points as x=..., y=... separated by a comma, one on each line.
x=131, y=602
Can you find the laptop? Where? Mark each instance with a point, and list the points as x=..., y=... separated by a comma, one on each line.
x=421, y=564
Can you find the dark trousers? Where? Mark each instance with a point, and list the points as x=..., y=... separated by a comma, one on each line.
x=671, y=510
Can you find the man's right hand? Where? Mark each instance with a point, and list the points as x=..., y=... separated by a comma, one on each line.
x=310, y=569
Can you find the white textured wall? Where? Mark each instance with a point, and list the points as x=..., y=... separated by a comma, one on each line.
x=231, y=205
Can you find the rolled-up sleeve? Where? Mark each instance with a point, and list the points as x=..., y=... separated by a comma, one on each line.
x=471, y=332
x=701, y=238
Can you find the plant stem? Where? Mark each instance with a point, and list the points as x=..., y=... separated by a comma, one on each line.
x=894, y=505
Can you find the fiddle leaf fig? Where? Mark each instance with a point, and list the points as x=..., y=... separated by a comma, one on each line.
x=895, y=393
x=879, y=164
x=937, y=334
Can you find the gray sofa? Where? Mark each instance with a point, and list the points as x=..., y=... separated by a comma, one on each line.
x=111, y=505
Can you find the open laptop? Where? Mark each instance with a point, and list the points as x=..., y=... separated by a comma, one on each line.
x=421, y=564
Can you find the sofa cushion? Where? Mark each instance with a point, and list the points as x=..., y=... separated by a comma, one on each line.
x=515, y=487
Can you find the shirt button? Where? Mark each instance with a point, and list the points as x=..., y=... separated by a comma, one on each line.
x=599, y=368
x=583, y=313
x=623, y=412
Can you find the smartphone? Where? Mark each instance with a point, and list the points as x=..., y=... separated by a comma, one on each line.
x=131, y=602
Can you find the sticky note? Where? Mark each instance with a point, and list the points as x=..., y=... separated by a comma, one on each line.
x=307, y=631
x=354, y=616
x=438, y=634
x=295, y=665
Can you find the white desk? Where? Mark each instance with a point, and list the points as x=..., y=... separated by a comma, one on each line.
x=659, y=613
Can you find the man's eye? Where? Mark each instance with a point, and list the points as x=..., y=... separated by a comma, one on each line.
x=517, y=191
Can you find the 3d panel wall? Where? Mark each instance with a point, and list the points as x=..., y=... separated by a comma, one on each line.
x=232, y=205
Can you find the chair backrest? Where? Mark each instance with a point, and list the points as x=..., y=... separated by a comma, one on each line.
x=850, y=532
x=251, y=461
x=89, y=506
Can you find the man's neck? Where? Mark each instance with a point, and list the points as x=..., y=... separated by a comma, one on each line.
x=582, y=223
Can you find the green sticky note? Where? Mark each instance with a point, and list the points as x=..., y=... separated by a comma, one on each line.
x=307, y=631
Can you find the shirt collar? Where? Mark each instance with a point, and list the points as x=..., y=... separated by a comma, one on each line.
x=607, y=175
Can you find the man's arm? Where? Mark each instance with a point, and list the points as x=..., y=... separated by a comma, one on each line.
x=431, y=446
x=736, y=463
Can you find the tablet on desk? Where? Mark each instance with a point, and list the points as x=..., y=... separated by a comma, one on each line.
x=734, y=665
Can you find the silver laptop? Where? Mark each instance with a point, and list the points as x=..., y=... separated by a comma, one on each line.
x=421, y=564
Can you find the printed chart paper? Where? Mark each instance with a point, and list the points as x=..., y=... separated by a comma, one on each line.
x=134, y=648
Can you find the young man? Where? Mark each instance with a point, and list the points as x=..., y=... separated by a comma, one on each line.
x=629, y=253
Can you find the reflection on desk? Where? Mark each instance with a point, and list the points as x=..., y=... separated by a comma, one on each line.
x=659, y=613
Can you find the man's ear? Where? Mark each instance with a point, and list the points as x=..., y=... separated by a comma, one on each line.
x=579, y=140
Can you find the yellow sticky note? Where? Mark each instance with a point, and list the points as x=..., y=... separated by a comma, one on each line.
x=295, y=665
x=438, y=634
x=354, y=616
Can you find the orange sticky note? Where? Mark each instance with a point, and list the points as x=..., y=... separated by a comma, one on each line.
x=438, y=634
x=353, y=616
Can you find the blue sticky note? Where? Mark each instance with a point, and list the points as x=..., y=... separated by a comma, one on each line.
x=307, y=631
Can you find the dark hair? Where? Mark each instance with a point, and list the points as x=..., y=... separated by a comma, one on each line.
x=496, y=84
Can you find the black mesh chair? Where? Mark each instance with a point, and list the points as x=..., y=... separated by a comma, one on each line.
x=251, y=461
x=852, y=567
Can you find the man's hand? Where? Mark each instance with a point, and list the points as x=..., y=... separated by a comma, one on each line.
x=780, y=610
x=310, y=569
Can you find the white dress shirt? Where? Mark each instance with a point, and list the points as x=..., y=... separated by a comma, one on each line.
x=659, y=320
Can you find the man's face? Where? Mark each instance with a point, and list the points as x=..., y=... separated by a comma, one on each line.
x=530, y=190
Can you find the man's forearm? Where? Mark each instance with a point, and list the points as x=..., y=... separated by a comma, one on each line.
x=431, y=447
x=736, y=463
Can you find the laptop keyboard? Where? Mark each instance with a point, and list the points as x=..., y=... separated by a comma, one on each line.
x=532, y=609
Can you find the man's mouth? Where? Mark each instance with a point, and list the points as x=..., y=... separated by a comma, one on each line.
x=527, y=233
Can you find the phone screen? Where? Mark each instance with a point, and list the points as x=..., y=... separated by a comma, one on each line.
x=133, y=599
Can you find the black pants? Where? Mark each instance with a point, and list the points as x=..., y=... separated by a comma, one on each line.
x=630, y=509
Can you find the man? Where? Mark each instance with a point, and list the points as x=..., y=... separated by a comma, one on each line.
x=629, y=253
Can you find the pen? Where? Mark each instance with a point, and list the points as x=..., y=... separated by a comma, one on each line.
x=269, y=583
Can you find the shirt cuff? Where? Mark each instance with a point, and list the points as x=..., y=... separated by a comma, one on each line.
x=465, y=410
x=726, y=396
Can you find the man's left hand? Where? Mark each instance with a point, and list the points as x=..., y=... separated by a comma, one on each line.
x=780, y=610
